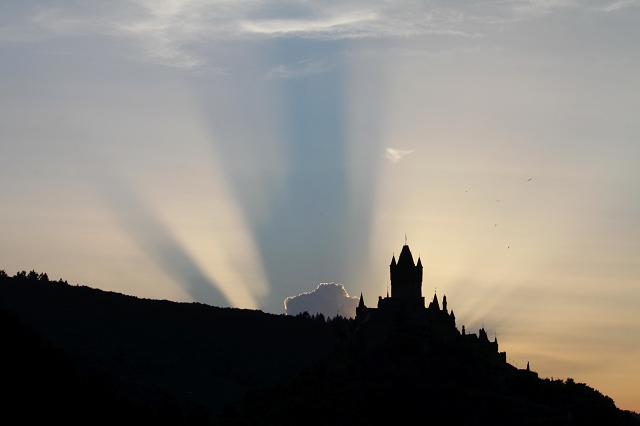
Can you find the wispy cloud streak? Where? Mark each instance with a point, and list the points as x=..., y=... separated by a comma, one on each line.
x=617, y=5
x=302, y=69
x=177, y=33
x=395, y=155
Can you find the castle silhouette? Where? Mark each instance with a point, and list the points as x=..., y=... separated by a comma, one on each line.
x=404, y=312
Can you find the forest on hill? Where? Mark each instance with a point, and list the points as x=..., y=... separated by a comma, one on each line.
x=397, y=383
x=84, y=355
x=146, y=350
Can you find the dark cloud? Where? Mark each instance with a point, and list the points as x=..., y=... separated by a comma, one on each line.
x=328, y=299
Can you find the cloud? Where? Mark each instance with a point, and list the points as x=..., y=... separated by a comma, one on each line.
x=302, y=69
x=621, y=4
x=336, y=24
x=180, y=33
x=327, y=299
x=395, y=155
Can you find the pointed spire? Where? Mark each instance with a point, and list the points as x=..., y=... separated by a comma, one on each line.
x=361, y=304
x=393, y=260
x=435, y=302
x=419, y=264
x=444, y=303
x=405, y=257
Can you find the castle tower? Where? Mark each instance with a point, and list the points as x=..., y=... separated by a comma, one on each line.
x=406, y=276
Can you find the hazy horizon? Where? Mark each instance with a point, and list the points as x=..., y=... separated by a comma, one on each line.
x=239, y=153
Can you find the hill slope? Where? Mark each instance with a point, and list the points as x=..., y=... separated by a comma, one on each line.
x=398, y=383
x=195, y=353
x=267, y=369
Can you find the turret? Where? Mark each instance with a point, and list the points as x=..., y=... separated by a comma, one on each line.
x=434, y=303
x=406, y=276
x=482, y=334
x=361, y=306
x=444, y=303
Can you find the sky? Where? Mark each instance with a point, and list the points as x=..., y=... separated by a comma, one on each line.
x=237, y=153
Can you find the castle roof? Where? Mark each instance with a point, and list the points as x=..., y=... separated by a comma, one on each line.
x=405, y=258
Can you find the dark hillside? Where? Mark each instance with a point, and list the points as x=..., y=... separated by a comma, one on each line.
x=396, y=383
x=123, y=359
x=195, y=353
x=41, y=385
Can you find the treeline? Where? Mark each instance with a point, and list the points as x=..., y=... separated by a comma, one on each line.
x=320, y=317
x=32, y=275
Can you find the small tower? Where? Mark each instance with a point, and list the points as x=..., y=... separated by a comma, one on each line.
x=361, y=306
x=434, y=303
x=406, y=276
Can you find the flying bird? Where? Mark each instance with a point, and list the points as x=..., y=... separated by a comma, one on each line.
x=497, y=201
x=529, y=179
x=495, y=224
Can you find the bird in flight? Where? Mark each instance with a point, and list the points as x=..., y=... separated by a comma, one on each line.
x=509, y=247
x=529, y=179
x=497, y=201
x=495, y=224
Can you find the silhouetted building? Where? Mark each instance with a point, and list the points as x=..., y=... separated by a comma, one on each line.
x=405, y=312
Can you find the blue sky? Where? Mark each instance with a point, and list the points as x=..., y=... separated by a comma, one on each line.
x=237, y=153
